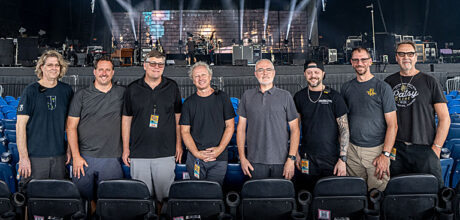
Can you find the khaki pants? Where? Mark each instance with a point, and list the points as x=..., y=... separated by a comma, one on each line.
x=359, y=164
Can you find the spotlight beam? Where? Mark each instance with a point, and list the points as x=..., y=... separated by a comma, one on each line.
x=267, y=7
x=131, y=14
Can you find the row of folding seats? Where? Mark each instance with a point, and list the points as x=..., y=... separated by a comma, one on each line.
x=406, y=197
x=8, y=106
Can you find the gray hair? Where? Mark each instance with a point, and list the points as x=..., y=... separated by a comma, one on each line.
x=197, y=64
x=255, y=67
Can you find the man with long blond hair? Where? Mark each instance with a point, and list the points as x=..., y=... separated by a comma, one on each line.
x=40, y=127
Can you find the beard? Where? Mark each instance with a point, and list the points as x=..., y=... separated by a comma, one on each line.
x=318, y=82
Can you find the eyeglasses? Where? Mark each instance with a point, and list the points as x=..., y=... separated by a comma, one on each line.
x=402, y=54
x=261, y=70
x=363, y=60
x=153, y=64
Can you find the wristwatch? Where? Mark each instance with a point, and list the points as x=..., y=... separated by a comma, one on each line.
x=292, y=157
x=386, y=153
x=343, y=158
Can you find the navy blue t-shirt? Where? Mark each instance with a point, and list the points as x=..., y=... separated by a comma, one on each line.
x=47, y=110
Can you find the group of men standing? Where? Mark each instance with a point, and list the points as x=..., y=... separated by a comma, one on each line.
x=355, y=132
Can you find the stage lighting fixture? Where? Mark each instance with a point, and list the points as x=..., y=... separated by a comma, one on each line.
x=286, y=42
x=22, y=30
x=263, y=41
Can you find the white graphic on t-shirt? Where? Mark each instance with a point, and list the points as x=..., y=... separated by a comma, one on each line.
x=20, y=108
x=405, y=97
x=51, y=101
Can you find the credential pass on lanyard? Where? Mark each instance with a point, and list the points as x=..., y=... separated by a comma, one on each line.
x=154, y=118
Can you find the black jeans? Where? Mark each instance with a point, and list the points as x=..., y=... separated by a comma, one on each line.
x=416, y=159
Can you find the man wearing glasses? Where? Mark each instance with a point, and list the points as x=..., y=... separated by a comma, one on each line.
x=150, y=127
x=40, y=127
x=265, y=113
x=373, y=123
x=418, y=98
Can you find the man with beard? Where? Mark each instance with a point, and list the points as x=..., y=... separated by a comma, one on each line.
x=207, y=126
x=40, y=126
x=267, y=111
x=94, y=131
x=325, y=135
x=418, y=98
x=373, y=125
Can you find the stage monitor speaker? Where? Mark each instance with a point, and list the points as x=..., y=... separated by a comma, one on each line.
x=237, y=53
x=385, y=44
x=27, y=51
x=248, y=54
x=180, y=62
x=332, y=55
x=81, y=61
x=240, y=62
x=6, y=52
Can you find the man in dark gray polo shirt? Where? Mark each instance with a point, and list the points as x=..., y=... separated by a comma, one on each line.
x=267, y=111
x=94, y=131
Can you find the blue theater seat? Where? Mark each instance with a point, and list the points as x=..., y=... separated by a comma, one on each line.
x=58, y=198
x=126, y=171
x=9, y=124
x=453, y=93
x=234, y=178
x=453, y=133
x=10, y=135
x=446, y=166
x=179, y=171
x=6, y=175
x=339, y=197
x=411, y=197
x=9, y=99
x=124, y=199
x=189, y=198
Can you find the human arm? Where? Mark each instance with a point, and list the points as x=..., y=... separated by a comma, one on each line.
x=125, y=134
x=382, y=162
x=240, y=141
x=289, y=166
x=72, y=138
x=21, y=137
x=179, y=150
x=340, y=168
x=214, y=152
x=443, y=127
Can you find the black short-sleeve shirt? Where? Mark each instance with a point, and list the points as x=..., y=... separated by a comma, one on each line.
x=141, y=102
x=415, y=102
x=207, y=116
x=47, y=111
x=320, y=132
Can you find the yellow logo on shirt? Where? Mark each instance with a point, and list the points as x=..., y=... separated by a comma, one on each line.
x=371, y=92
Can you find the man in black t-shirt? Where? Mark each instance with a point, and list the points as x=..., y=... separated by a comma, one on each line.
x=418, y=98
x=325, y=134
x=190, y=49
x=150, y=127
x=207, y=126
x=42, y=112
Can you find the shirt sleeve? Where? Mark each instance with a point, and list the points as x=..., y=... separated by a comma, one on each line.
x=185, y=115
x=340, y=108
x=291, y=111
x=127, y=107
x=26, y=103
x=178, y=102
x=229, y=112
x=388, y=98
x=242, y=106
x=297, y=102
x=437, y=94
x=76, y=104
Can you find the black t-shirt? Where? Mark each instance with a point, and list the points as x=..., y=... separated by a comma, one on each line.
x=141, y=102
x=415, y=103
x=207, y=116
x=191, y=46
x=320, y=132
x=47, y=111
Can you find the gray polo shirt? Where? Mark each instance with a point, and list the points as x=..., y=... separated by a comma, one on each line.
x=99, y=129
x=267, y=117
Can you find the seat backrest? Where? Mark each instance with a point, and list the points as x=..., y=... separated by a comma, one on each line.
x=195, y=197
x=6, y=175
x=124, y=199
x=5, y=202
x=453, y=133
x=234, y=177
x=267, y=199
x=446, y=167
x=335, y=197
x=179, y=171
x=9, y=124
x=413, y=196
x=48, y=197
